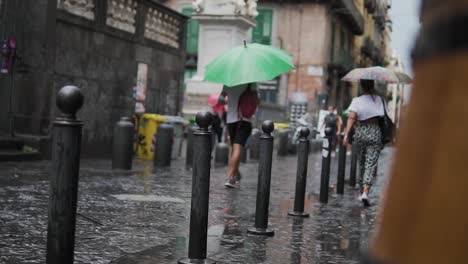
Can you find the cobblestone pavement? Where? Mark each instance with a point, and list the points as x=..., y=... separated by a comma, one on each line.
x=143, y=216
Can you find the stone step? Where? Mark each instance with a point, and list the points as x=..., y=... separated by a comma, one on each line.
x=11, y=144
x=18, y=155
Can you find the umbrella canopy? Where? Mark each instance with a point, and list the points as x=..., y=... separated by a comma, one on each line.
x=404, y=78
x=213, y=100
x=247, y=64
x=377, y=73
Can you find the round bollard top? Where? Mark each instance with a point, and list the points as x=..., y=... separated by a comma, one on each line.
x=70, y=100
x=268, y=126
x=204, y=120
x=304, y=132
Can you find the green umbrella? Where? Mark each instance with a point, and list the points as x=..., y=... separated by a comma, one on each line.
x=247, y=64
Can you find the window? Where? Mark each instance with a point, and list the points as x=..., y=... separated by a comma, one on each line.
x=192, y=32
x=262, y=32
x=268, y=91
x=342, y=46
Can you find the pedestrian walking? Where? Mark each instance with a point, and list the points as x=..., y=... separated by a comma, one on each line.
x=219, y=116
x=334, y=122
x=364, y=114
x=238, y=69
x=241, y=107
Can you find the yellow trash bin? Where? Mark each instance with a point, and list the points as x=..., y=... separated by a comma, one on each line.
x=147, y=130
x=281, y=125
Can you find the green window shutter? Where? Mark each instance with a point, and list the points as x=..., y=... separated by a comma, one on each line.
x=192, y=31
x=262, y=32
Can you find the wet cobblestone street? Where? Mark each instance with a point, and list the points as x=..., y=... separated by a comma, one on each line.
x=142, y=217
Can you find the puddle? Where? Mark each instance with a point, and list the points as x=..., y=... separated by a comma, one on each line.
x=147, y=198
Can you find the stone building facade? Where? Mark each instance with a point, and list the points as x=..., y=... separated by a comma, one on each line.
x=99, y=46
x=326, y=38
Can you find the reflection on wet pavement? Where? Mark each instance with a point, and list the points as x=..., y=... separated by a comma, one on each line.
x=143, y=216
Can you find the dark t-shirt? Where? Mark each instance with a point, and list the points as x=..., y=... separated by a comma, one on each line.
x=331, y=121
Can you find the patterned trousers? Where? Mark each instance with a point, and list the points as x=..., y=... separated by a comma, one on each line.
x=368, y=138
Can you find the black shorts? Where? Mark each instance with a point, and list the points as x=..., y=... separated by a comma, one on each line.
x=239, y=132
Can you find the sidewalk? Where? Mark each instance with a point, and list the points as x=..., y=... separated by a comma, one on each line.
x=143, y=217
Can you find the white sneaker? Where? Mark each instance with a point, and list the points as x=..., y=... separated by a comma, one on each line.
x=364, y=199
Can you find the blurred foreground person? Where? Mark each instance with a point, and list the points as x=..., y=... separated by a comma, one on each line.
x=425, y=214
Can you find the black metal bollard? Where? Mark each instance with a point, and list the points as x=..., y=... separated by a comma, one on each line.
x=122, y=146
x=264, y=180
x=200, y=191
x=254, y=144
x=353, y=166
x=301, y=177
x=222, y=154
x=66, y=148
x=163, y=147
x=341, y=166
x=189, y=150
x=326, y=160
x=243, y=157
x=283, y=143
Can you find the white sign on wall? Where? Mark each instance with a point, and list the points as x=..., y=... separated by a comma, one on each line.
x=315, y=70
x=141, y=87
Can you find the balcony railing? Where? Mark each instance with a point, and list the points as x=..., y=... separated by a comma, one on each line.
x=348, y=11
x=370, y=5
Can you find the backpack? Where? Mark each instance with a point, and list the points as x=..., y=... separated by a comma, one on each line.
x=248, y=103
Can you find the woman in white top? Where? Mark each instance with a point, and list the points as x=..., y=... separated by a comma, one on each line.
x=364, y=113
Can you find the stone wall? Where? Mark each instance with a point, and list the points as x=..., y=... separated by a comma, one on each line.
x=97, y=46
x=30, y=84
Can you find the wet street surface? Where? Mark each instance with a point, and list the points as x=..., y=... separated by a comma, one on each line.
x=142, y=217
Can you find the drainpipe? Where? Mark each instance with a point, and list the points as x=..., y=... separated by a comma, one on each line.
x=301, y=11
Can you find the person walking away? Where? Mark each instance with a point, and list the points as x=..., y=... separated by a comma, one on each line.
x=241, y=107
x=364, y=113
x=334, y=122
x=219, y=119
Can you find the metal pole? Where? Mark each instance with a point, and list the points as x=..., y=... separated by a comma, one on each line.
x=222, y=154
x=254, y=144
x=163, y=146
x=341, y=166
x=283, y=143
x=200, y=191
x=122, y=146
x=326, y=159
x=301, y=176
x=264, y=180
x=353, y=167
x=10, y=107
x=243, y=158
x=66, y=143
x=189, y=150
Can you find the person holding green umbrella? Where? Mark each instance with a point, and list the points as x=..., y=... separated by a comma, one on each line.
x=238, y=70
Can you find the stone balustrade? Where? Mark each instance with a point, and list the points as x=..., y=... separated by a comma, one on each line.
x=82, y=8
x=162, y=27
x=121, y=14
x=159, y=24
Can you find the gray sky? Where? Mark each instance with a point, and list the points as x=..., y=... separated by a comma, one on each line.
x=405, y=17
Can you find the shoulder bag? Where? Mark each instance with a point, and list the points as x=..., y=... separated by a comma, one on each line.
x=386, y=126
